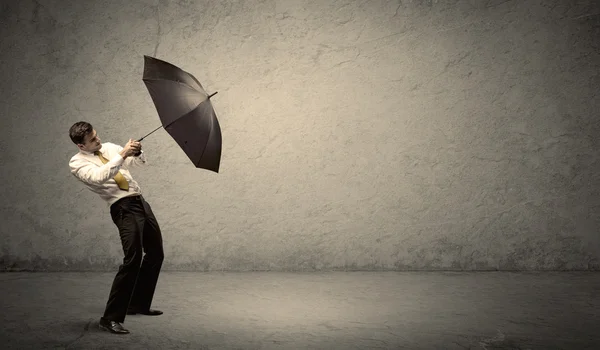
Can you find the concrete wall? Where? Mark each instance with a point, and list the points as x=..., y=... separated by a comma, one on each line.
x=356, y=134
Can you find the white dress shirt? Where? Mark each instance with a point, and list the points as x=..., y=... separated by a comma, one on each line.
x=99, y=177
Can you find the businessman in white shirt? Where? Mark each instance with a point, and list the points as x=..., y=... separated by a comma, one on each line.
x=104, y=169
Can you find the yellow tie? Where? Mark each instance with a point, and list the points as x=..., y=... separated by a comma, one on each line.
x=119, y=178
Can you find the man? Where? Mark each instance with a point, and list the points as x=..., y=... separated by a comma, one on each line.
x=103, y=168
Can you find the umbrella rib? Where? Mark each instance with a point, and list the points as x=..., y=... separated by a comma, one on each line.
x=174, y=81
x=166, y=126
x=201, y=102
x=204, y=150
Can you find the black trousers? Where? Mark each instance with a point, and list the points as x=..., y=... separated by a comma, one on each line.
x=135, y=282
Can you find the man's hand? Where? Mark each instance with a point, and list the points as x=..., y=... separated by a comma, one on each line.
x=131, y=148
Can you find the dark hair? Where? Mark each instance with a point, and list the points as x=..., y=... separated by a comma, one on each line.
x=78, y=131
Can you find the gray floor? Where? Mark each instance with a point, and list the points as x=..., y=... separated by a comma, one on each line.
x=333, y=310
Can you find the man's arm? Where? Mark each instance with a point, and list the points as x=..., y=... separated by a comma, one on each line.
x=90, y=173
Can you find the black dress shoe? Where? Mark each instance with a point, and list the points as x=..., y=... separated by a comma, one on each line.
x=112, y=326
x=149, y=312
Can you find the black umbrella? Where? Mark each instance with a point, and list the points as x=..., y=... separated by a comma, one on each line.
x=185, y=111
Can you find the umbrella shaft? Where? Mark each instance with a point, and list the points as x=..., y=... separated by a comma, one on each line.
x=149, y=134
x=211, y=95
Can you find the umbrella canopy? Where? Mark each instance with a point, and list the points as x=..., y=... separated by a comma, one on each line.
x=185, y=111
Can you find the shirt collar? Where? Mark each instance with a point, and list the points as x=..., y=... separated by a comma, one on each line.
x=91, y=153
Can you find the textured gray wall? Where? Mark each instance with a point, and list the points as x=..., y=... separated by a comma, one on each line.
x=356, y=134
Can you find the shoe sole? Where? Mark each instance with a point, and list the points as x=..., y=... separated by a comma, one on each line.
x=110, y=330
x=140, y=313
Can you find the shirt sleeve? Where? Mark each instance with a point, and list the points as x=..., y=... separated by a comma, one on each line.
x=90, y=173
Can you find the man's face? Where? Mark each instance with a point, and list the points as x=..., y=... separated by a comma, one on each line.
x=91, y=142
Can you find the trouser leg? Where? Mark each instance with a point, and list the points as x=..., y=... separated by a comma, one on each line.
x=145, y=286
x=124, y=282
